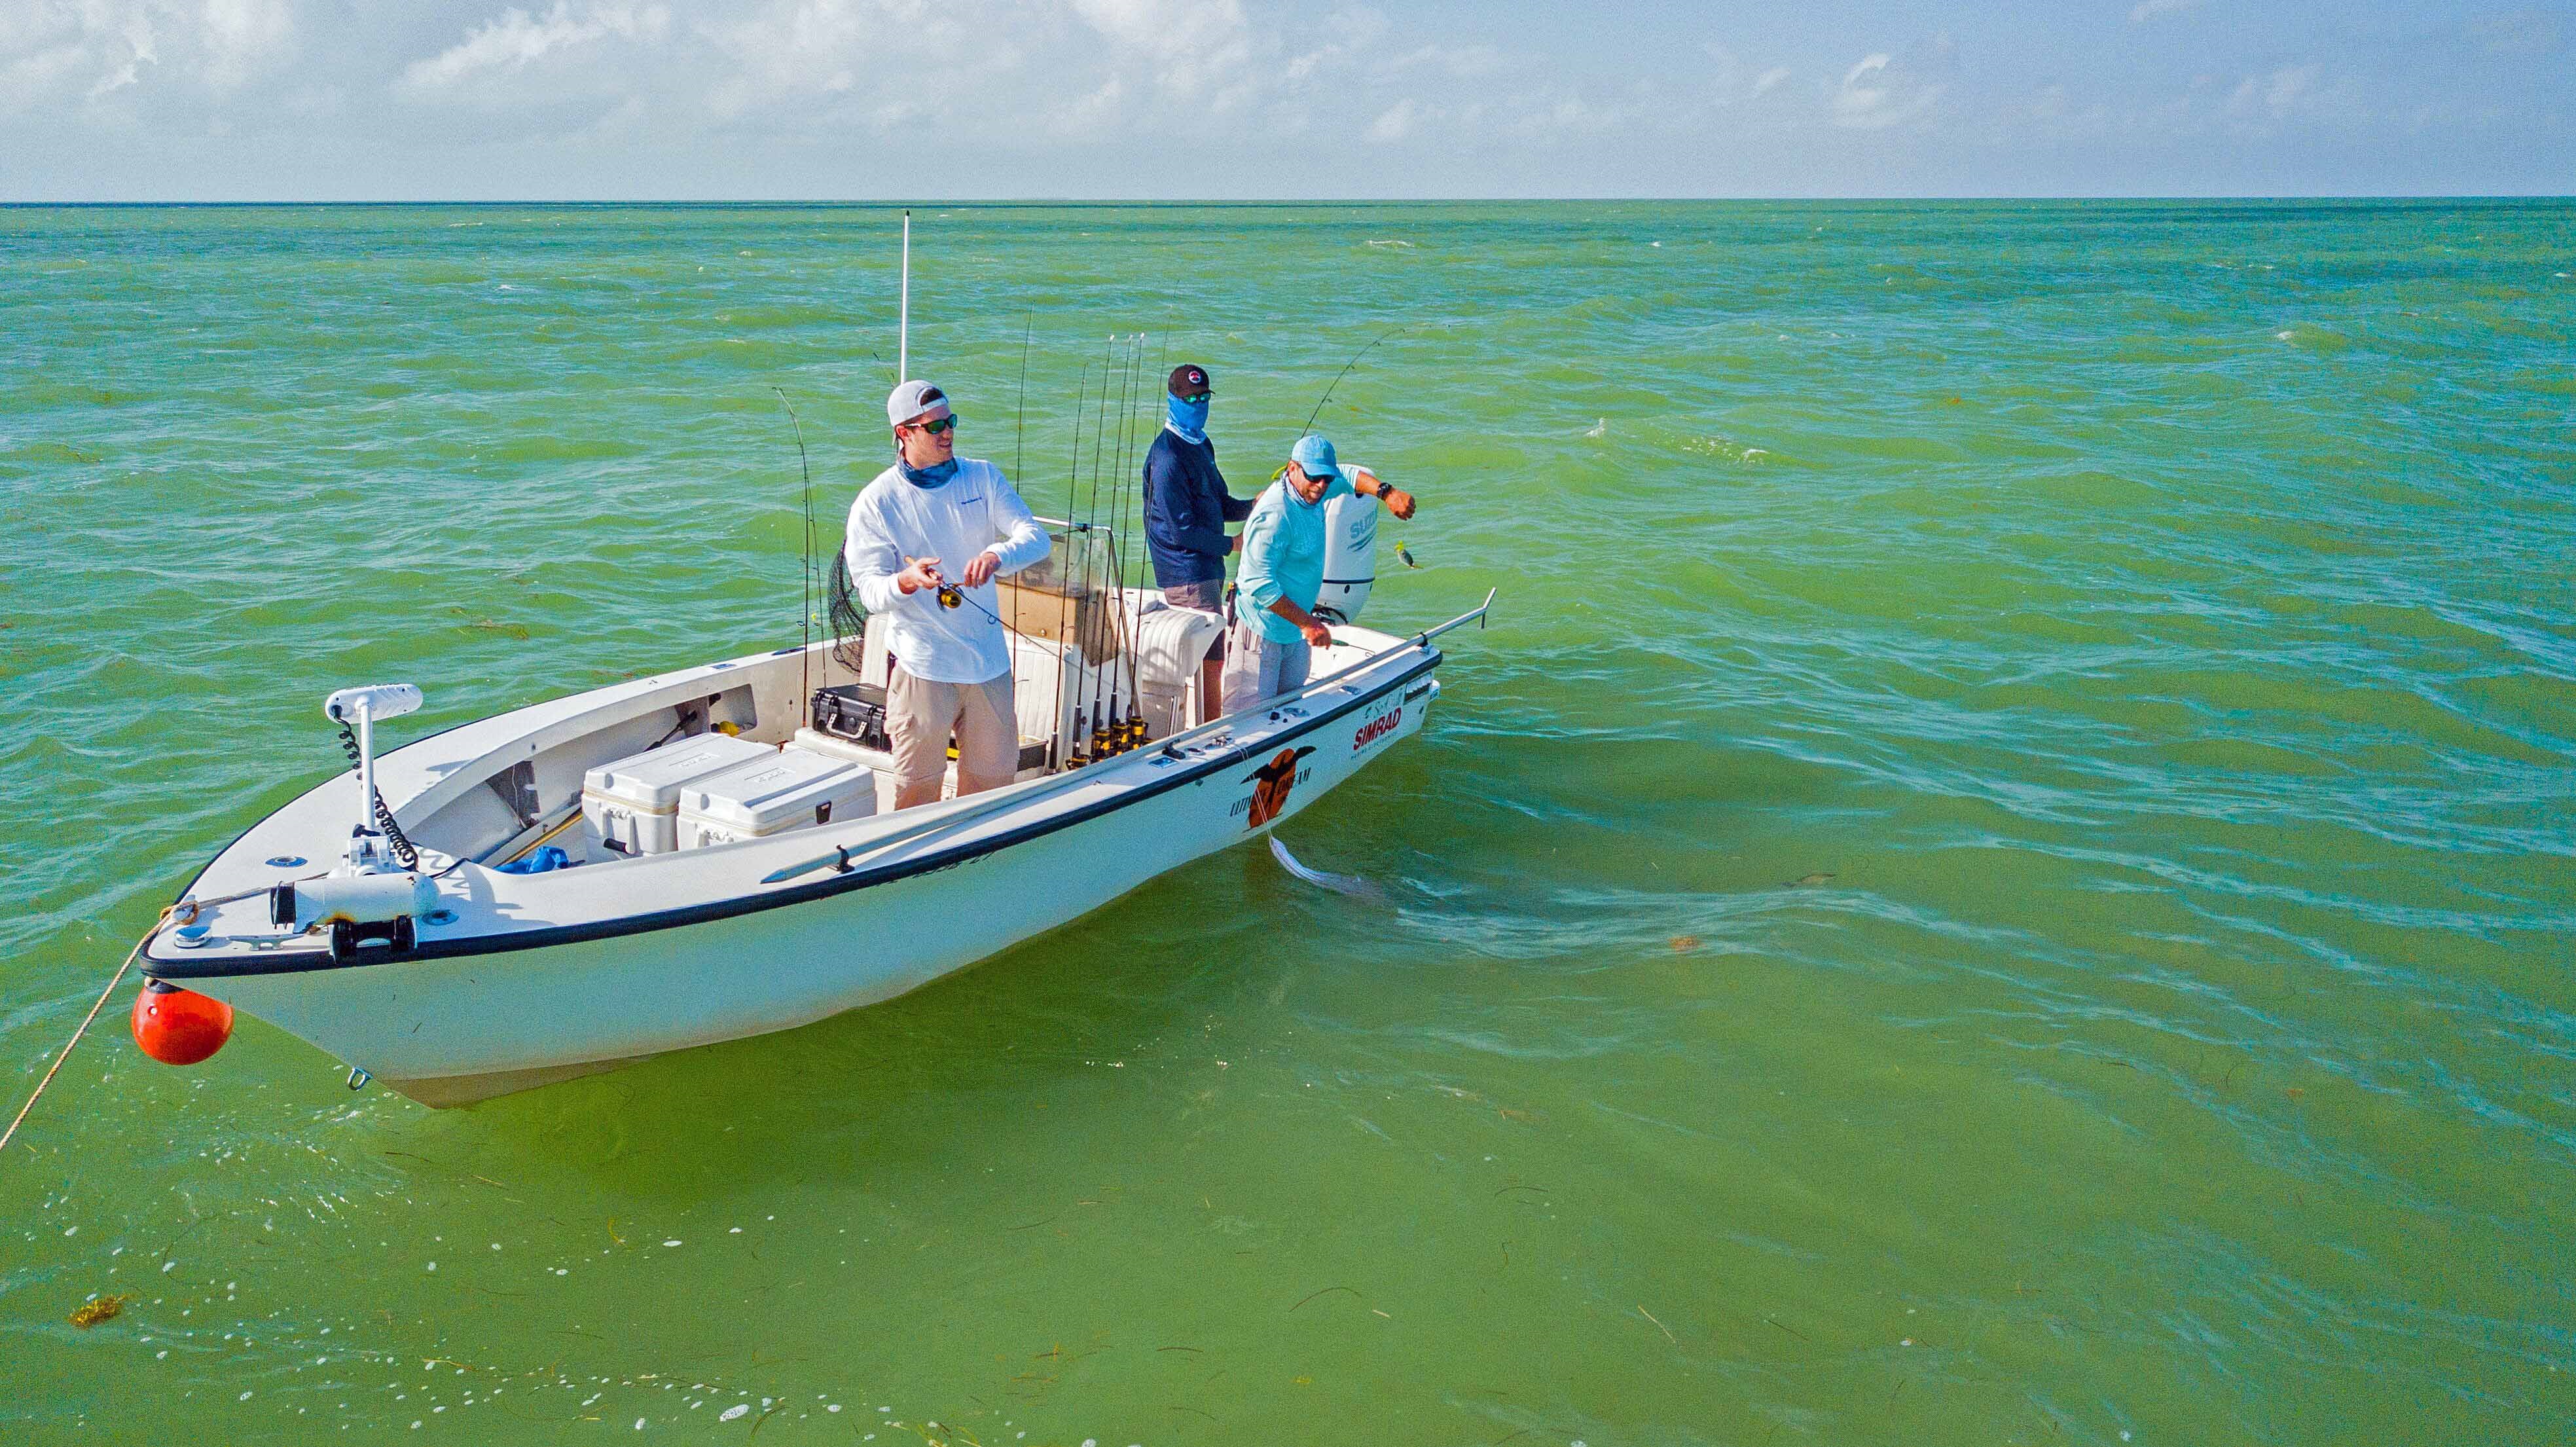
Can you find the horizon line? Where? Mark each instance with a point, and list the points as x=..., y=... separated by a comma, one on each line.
x=2061, y=198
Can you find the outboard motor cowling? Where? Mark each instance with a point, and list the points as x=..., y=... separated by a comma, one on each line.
x=1350, y=557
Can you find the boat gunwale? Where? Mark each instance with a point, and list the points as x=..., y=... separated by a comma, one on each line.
x=288, y=962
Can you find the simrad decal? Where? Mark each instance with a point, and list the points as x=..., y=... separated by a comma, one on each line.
x=1388, y=720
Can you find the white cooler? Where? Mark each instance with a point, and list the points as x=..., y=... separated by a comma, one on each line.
x=632, y=806
x=791, y=789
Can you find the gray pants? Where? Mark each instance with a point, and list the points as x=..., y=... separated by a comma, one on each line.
x=1205, y=597
x=1257, y=669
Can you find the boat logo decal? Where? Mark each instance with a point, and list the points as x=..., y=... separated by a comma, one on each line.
x=1271, y=783
x=1384, y=718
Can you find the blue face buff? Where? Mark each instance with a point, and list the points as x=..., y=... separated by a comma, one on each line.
x=1188, y=418
x=931, y=476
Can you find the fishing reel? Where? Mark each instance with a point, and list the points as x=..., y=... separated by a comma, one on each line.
x=952, y=597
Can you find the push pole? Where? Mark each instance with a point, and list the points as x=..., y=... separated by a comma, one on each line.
x=903, y=322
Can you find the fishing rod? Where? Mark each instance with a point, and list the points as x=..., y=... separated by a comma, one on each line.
x=1112, y=736
x=1097, y=574
x=1119, y=730
x=805, y=570
x=1020, y=428
x=1103, y=737
x=1135, y=722
x=1346, y=371
x=1073, y=477
x=1067, y=690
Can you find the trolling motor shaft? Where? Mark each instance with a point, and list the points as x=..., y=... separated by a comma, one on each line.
x=358, y=709
x=371, y=895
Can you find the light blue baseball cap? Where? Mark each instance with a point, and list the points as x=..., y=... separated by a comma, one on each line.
x=1314, y=456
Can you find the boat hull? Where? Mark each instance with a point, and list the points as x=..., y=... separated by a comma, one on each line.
x=451, y=1029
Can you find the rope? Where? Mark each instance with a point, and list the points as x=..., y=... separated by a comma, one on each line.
x=86, y=1021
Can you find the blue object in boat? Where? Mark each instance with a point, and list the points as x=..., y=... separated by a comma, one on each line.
x=546, y=860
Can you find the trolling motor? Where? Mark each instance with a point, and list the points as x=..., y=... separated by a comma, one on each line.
x=378, y=889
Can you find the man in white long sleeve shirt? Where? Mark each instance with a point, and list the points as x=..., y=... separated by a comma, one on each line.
x=936, y=520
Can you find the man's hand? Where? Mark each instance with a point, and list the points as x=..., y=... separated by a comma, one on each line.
x=1369, y=484
x=1235, y=545
x=980, y=568
x=917, y=574
x=1316, y=633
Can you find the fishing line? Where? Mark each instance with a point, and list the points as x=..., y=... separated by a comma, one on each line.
x=950, y=596
x=1354, y=885
x=1346, y=371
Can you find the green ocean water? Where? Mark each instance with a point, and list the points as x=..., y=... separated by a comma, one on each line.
x=2006, y=871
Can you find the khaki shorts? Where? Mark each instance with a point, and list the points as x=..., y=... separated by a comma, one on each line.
x=1258, y=669
x=920, y=715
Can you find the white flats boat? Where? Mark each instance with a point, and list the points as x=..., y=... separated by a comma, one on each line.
x=729, y=861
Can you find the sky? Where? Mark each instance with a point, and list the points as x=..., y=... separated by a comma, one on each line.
x=296, y=100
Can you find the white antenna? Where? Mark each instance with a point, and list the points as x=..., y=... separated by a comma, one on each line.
x=903, y=326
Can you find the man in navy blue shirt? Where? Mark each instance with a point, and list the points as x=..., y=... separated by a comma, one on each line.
x=1186, y=504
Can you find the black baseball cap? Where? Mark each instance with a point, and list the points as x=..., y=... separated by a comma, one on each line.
x=1188, y=380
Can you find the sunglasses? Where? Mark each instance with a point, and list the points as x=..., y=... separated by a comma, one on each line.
x=1197, y=399
x=938, y=425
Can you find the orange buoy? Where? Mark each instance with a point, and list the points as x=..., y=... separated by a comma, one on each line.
x=179, y=1027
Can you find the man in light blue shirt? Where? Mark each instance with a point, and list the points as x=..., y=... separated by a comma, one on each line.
x=1271, y=647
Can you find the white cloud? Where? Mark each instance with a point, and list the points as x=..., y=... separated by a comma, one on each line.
x=136, y=31
x=1200, y=52
x=242, y=36
x=2277, y=96
x=1873, y=96
x=79, y=52
x=786, y=53
x=1572, y=115
x=1732, y=83
x=207, y=98
x=1459, y=62
x=515, y=39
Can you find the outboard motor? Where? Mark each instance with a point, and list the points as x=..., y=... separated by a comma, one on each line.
x=370, y=895
x=1350, y=557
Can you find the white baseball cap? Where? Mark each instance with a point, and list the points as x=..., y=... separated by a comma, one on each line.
x=910, y=400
